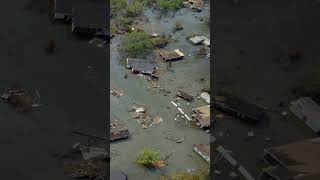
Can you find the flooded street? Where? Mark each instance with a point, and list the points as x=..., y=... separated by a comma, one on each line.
x=190, y=74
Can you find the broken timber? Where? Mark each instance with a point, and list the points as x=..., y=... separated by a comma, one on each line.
x=185, y=95
x=116, y=135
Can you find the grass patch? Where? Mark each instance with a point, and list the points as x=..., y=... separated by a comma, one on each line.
x=169, y=4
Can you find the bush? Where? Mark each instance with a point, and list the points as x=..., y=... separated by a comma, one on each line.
x=137, y=43
x=160, y=41
x=148, y=157
x=170, y=4
x=135, y=8
x=118, y=4
x=177, y=26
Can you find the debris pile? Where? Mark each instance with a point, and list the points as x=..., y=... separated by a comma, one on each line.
x=21, y=99
x=201, y=115
x=143, y=117
x=116, y=92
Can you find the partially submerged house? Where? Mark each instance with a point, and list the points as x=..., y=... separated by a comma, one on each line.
x=140, y=66
x=171, y=55
x=295, y=161
x=239, y=108
x=308, y=111
x=201, y=115
x=203, y=150
x=119, y=134
x=90, y=19
x=200, y=40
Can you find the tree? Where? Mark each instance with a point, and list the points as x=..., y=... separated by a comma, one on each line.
x=148, y=157
x=137, y=43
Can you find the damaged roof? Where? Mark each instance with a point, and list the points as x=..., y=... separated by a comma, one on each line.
x=171, y=55
x=140, y=66
x=308, y=111
x=301, y=157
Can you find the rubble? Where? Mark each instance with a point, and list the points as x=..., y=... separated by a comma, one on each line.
x=201, y=115
x=205, y=96
x=185, y=96
x=21, y=99
x=119, y=134
x=116, y=92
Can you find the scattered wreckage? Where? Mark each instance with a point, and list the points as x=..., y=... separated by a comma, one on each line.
x=146, y=120
x=119, y=134
x=203, y=150
x=201, y=115
x=185, y=96
x=116, y=92
x=21, y=99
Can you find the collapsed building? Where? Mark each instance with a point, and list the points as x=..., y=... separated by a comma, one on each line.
x=294, y=161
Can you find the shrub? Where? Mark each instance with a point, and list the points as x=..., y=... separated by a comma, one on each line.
x=170, y=4
x=137, y=43
x=160, y=41
x=135, y=8
x=118, y=4
x=148, y=157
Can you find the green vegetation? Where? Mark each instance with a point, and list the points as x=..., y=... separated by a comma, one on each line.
x=170, y=4
x=118, y=4
x=160, y=41
x=148, y=157
x=121, y=24
x=135, y=8
x=137, y=43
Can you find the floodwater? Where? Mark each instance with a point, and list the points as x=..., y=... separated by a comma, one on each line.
x=183, y=75
x=72, y=99
x=250, y=40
